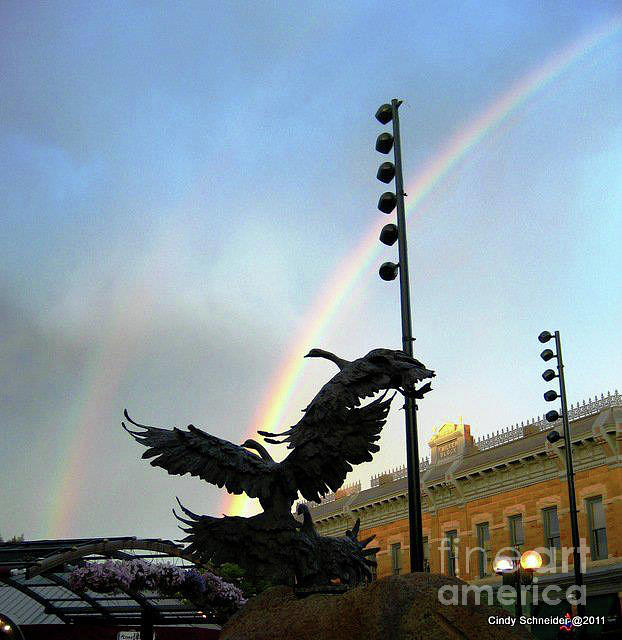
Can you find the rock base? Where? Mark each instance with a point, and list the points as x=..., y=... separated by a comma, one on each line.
x=402, y=607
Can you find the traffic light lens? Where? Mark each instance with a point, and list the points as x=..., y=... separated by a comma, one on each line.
x=549, y=396
x=545, y=336
x=552, y=416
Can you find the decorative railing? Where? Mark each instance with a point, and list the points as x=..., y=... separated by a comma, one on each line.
x=342, y=492
x=496, y=439
x=397, y=473
x=575, y=412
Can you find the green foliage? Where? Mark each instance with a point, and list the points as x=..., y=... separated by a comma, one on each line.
x=249, y=585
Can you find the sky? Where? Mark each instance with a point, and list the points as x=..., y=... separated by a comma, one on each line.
x=188, y=191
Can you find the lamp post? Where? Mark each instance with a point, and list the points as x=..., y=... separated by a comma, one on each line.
x=554, y=436
x=388, y=271
x=9, y=628
x=518, y=571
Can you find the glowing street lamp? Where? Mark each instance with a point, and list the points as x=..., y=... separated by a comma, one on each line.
x=503, y=565
x=8, y=628
x=531, y=560
x=510, y=570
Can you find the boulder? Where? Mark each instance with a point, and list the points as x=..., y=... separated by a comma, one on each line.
x=403, y=607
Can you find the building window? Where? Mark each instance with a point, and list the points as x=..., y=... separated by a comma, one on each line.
x=517, y=537
x=551, y=528
x=483, y=542
x=374, y=567
x=452, y=552
x=597, y=527
x=426, y=554
x=396, y=557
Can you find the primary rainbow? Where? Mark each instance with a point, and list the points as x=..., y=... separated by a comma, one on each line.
x=333, y=294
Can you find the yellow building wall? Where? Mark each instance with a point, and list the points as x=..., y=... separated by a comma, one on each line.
x=528, y=501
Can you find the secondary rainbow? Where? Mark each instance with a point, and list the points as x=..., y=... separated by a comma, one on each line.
x=335, y=292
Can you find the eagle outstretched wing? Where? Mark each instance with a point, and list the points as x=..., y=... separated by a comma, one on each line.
x=321, y=461
x=316, y=467
x=262, y=545
x=208, y=457
x=379, y=370
x=335, y=433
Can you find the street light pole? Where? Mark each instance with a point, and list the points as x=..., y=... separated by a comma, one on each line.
x=388, y=271
x=574, y=524
x=553, y=437
x=412, y=444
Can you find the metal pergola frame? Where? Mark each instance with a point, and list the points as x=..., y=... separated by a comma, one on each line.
x=36, y=567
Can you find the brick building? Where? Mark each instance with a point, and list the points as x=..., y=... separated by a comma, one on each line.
x=505, y=490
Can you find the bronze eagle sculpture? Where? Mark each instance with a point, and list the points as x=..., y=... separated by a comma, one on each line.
x=336, y=432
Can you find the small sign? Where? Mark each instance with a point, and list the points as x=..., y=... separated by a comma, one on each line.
x=128, y=635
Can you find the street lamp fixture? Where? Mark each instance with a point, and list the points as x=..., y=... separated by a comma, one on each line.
x=384, y=143
x=545, y=336
x=503, y=565
x=388, y=271
x=389, y=234
x=550, y=395
x=547, y=355
x=549, y=375
x=554, y=436
x=10, y=627
x=518, y=571
x=387, y=202
x=552, y=416
x=531, y=560
x=386, y=172
x=384, y=115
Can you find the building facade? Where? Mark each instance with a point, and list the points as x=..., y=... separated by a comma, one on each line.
x=484, y=498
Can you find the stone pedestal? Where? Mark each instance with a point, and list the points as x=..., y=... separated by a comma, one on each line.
x=402, y=607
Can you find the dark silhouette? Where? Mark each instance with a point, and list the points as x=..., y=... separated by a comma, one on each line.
x=335, y=432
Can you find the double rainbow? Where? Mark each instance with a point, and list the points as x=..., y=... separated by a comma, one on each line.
x=350, y=271
x=106, y=367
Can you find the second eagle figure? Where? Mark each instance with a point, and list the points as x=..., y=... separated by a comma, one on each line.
x=335, y=432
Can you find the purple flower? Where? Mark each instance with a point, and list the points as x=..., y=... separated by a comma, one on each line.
x=202, y=587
